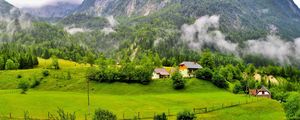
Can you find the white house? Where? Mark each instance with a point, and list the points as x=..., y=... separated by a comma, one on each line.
x=160, y=73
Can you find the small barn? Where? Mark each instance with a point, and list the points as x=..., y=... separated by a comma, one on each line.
x=187, y=68
x=160, y=73
x=262, y=92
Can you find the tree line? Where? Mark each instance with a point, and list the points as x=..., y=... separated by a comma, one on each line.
x=14, y=56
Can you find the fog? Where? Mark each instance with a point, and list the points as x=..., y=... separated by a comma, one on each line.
x=205, y=32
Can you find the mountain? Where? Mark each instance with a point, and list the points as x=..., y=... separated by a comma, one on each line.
x=7, y=10
x=58, y=10
x=237, y=17
x=120, y=7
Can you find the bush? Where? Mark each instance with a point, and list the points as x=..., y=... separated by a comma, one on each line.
x=127, y=74
x=62, y=115
x=24, y=86
x=186, y=116
x=204, y=74
x=45, y=73
x=19, y=76
x=292, y=105
x=160, y=117
x=11, y=65
x=35, y=83
x=101, y=114
x=54, y=64
x=27, y=116
x=178, y=82
x=69, y=77
x=219, y=80
x=237, y=88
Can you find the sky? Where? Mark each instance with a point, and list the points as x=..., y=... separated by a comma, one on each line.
x=38, y=3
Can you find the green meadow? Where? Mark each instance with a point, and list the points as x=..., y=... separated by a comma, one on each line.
x=58, y=91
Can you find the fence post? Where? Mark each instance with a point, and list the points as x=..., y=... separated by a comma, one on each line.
x=139, y=115
x=194, y=110
x=123, y=116
x=48, y=115
x=206, y=110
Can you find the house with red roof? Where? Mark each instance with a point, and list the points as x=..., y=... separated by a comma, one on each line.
x=188, y=68
x=262, y=92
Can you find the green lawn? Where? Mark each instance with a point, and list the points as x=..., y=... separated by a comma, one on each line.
x=56, y=91
x=38, y=103
x=263, y=110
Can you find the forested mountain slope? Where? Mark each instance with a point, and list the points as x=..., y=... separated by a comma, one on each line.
x=238, y=17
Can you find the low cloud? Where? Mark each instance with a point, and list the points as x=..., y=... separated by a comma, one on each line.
x=205, y=32
x=73, y=30
x=112, y=21
x=272, y=47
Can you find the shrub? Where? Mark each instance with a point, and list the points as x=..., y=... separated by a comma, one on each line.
x=292, y=105
x=24, y=86
x=45, y=73
x=127, y=74
x=237, y=88
x=204, y=73
x=160, y=117
x=19, y=76
x=69, y=77
x=101, y=114
x=62, y=115
x=54, y=64
x=11, y=65
x=27, y=116
x=178, y=82
x=186, y=116
x=36, y=82
x=219, y=80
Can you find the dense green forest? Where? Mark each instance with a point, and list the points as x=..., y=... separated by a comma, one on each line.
x=14, y=56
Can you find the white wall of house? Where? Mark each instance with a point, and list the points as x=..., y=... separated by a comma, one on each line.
x=155, y=75
x=266, y=93
x=184, y=73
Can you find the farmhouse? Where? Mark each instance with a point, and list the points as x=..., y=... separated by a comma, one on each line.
x=160, y=73
x=187, y=68
x=263, y=92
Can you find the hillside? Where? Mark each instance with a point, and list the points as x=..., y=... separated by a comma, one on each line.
x=5, y=7
x=51, y=12
x=238, y=17
x=56, y=90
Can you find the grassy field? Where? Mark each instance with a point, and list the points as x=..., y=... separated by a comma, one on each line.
x=56, y=91
x=263, y=110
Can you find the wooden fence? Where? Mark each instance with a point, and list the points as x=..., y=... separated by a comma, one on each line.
x=201, y=110
x=141, y=116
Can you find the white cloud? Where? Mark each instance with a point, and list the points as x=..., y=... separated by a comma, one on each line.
x=198, y=35
x=297, y=2
x=39, y=3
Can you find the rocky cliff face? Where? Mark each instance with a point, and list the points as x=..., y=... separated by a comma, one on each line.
x=7, y=10
x=52, y=11
x=121, y=7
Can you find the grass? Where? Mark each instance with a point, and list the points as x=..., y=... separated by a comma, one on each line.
x=263, y=110
x=56, y=91
x=39, y=103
